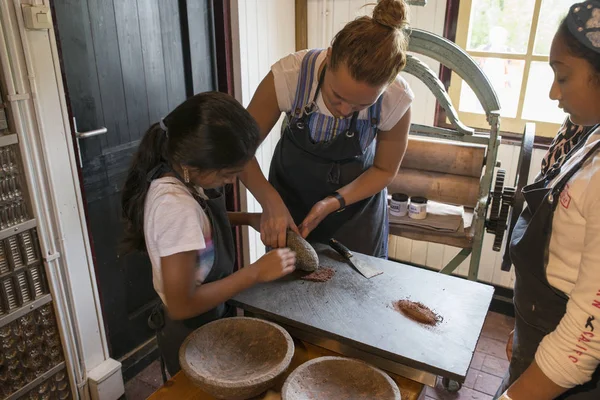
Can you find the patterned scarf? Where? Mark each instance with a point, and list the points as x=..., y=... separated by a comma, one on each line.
x=568, y=136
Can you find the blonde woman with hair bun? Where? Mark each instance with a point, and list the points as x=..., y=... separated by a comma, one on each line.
x=347, y=122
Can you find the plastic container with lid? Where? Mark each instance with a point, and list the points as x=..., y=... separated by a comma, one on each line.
x=417, y=208
x=399, y=204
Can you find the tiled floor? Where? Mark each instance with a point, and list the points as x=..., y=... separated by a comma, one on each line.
x=488, y=365
x=145, y=383
x=485, y=374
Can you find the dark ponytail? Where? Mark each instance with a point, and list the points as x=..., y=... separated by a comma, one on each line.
x=151, y=152
x=209, y=131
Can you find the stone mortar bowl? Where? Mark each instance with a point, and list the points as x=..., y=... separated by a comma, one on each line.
x=327, y=378
x=236, y=358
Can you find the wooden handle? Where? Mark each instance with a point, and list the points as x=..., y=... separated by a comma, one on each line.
x=340, y=248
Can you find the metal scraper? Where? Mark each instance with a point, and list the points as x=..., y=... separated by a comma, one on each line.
x=365, y=269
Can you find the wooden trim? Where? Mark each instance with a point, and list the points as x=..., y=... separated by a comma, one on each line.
x=514, y=125
x=223, y=45
x=508, y=56
x=301, y=18
x=451, y=19
x=450, y=22
x=224, y=57
x=528, y=57
x=540, y=142
x=461, y=38
x=186, y=48
x=457, y=29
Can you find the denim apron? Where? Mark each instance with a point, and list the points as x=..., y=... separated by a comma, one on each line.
x=171, y=333
x=319, y=154
x=539, y=307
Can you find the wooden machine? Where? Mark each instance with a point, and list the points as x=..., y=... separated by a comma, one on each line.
x=456, y=166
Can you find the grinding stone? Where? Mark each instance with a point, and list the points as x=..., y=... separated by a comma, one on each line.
x=327, y=378
x=236, y=358
x=306, y=257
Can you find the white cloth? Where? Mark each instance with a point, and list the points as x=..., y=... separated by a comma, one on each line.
x=440, y=218
x=397, y=98
x=570, y=354
x=175, y=223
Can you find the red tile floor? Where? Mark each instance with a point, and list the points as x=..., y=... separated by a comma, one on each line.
x=487, y=368
x=488, y=365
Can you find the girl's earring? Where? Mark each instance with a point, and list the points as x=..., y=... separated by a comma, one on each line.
x=186, y=175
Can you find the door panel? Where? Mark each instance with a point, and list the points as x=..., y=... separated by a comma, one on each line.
x=132, y=62
x=202, y=54
x=126, y=64
x=154, y=60
x=105, y=47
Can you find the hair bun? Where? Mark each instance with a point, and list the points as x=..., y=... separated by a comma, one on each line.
x=391, y=13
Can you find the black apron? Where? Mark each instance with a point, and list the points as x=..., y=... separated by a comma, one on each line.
x=304, y=172
x=539, y=307
x=172, y=333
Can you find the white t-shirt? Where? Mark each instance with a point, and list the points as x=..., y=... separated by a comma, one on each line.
x=175, y=223
x=571, y=353
x=397, y=98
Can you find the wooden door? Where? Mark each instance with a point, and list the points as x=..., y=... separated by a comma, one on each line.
x=126, y=63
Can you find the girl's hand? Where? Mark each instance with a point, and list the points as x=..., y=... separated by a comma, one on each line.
x=317, y=214
x=274, y=223
x=509, y=344
x=274, y=265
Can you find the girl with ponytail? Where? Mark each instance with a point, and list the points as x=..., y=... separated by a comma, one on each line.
x=175, y=213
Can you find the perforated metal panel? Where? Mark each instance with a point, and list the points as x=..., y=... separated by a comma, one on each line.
x=54, y=388
x=3, y=122
x=22, y=275
x=13, y=208
x=30, y=346
x=31, y=355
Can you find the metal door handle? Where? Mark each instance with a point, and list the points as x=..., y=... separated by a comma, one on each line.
x=85, y=135
x=88, y=134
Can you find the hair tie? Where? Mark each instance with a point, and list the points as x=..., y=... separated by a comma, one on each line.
x=384, y=24
x=163, y=126
x=583, y=22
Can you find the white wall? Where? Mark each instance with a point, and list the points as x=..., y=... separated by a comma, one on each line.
x=275, y=28
x=265, y=33
x=327, y=17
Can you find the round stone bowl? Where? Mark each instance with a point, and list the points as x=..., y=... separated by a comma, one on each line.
x=236, y=358
x=326, y=378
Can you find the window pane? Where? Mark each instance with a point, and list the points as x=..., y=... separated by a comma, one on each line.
x=500, y=26
x=551, y=13
x=537, y=105
x=506, y=77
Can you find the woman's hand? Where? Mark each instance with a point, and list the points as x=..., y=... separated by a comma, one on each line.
x=317, y=214
x=274, y=265
x=509, y=344
x=274, y=223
